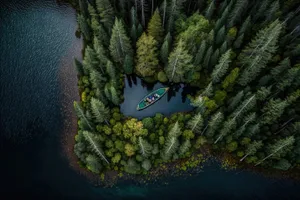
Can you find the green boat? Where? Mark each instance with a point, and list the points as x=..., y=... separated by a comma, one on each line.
x=157, y=93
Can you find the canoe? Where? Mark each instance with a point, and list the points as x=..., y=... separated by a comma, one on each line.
x=143, y=104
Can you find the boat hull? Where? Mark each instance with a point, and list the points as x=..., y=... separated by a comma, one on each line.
x=161, y=92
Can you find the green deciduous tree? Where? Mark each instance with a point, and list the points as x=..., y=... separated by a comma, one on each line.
x=231, y=78
x=147, y=55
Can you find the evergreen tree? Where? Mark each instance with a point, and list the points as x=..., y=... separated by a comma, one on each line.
x=215, y=57
x=272, y=12
x=79, y=67
x=111, y=71
x=145, y=147
x=179, y=63
x=289, y=77
x=252, y=149
x=200, y=54
x=228, y=126
x=96, y=79
x=247, y=120
x=207, y=57
x=273, y=110
x=93, y=164
x=84, y=27
x=186, y=145
x=146, y=61
x=238, y=42
x=106, y=12
x=196, y=123
x=99, y=32
x=91, y=60
x=233, y=103
x=279, y=148
x=172, y=143
x=221, y=69
x=164, y=12
x=100, y=112
x=173, y=11
x=128, y=64
x=94, y=145
x=210, y=10
x=81, y=115
x=246, y=106
x=214, y=123
x=278, y=70
x=237, y=12
x=208, y=91
x=260, y=50
x=115, y=99
x=119, y=43
x=155, y=28
x=220, y=36
x=245, y=26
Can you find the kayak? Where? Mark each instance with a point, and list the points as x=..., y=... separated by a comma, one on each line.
x=156, y=95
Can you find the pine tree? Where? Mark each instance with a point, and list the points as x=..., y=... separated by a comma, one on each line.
x=220, y=37
x=81, y=115
x=273, y=110
x=94, y=145
x=289, y=77
x=228, y=126
x=247, y=120
x=146, y=61
x=272, y=12
x=246, y=106
x=179, y=63
x=215, y=57
x=93, y=164
x=259, y=52
x=84, y=27
x=238, y=42
x=279, y=148
x=79, y=67
x=221, y=69
x=164, y=51
x=252, y=149
x=164, y=12
x=155, y=28
x=106, y=12
x=223, y=47
x=101, y=54
x=283, y=66
x=114, y=95
x=119, y=43
x=91, y=60
x=145, y=147
x=253, y=130
x=99, y=32
x=186, y=145
x=172, y=142
x=233, y=103
x=196, y=123
x=133, y=33
x=200, y=54
x=206, y=62
x=128, y=64
x=173, y=11
x=237, y=12
x=111, y=71
x=210, y=10
x=208, y=91
x=245, y=26
x=96, y=79
x=263, y=93
x=214, y=123
x=199, y=103
x=100, y=112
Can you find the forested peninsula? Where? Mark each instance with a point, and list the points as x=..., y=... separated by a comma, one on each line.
x=241, y=55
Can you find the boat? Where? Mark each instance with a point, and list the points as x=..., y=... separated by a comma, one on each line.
x=144, y=103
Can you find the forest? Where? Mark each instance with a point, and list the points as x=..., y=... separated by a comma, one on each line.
x=242, y=55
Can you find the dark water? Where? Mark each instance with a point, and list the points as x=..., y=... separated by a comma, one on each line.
x=174, y=101
x=37, y=43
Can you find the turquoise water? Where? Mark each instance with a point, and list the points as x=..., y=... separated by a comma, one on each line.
x=38, y=87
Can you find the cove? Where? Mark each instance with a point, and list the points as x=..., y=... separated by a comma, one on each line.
x=38, y=82
x=174, y=101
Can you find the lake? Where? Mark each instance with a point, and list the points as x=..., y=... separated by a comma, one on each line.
x=38, y=87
